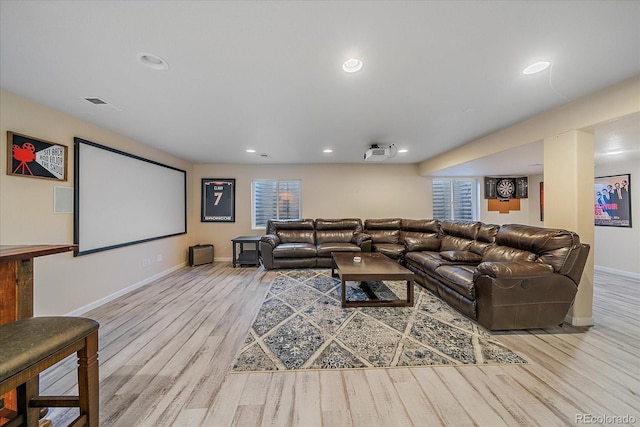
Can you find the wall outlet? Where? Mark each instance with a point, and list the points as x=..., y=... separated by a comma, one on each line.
x=146, y=262
x=159, y=258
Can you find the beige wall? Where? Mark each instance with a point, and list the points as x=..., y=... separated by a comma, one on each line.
x=328, y=191
x=64, y=283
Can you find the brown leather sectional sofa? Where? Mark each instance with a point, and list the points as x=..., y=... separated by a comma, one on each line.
x=309, y=243
x=505, y=277
x=508, y=277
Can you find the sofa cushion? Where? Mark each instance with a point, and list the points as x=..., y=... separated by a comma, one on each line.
x=459, y=278
x=382, y=224
x=422, y=244
x=273, y=225
x=479, y=247
x=487, y=233
x=295, y=250
x=426, y=261
x=331, y=236
x=486, y=237
x=325, y=249
x=507, y=253
x=465, y=229
x=297, y=236
x=420, y=225
x=455, y=243
x=353, y=224
x=463, y=257
x=384, y=236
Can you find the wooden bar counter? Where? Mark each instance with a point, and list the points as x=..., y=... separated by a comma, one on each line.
x=16, y=289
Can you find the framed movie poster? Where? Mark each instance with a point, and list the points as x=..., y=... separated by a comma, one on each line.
x=613, y=200
x=218, y=200
x=35, y=158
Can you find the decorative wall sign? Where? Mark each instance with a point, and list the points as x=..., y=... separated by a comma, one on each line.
x=36, y=158
x=218, y=200
x=613, y=200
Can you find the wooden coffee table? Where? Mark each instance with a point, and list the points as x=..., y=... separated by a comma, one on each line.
x=374, y=266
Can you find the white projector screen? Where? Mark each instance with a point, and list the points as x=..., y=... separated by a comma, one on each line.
x=122, y=199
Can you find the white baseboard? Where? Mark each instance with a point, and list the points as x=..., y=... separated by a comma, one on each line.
x=623, y=273
x=82, y=310
x=579, y=321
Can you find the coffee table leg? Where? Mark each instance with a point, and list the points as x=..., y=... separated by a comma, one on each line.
x=410, y=292
x=344, y=293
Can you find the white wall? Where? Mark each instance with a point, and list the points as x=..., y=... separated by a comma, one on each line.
x=528, y=214
x=617, y=249
x=62, y=283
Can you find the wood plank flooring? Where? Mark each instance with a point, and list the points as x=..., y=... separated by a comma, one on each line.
x=166, y=352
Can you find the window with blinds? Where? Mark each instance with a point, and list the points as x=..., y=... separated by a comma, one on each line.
x=275, y=200
x=454, y=199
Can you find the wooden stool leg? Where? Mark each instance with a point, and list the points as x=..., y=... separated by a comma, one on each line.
x=26, y=392
x=88, y=380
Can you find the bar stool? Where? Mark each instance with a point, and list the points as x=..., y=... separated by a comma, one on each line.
x=31, y=345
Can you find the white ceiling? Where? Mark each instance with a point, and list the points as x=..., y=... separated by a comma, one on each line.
x=267, y=75
x=614, y=140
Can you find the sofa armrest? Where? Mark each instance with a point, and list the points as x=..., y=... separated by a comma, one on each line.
x=267, y=244
x=416, y=244
x=515, y=270
x=271, y=239
x=521, y=295
x=363, y=240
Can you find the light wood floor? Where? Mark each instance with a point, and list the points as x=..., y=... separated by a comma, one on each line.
x=166, y=352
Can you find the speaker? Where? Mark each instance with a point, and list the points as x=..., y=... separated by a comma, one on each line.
x=200, y=254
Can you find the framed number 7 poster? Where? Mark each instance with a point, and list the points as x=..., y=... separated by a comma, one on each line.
x=218, y=200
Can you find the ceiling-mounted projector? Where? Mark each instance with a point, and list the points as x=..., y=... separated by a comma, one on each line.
x=376, y=153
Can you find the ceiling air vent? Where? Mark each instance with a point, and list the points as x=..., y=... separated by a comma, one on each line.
x=102, y=104
x=96, y=101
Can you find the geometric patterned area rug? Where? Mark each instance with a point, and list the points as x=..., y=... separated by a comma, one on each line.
x=301, y=325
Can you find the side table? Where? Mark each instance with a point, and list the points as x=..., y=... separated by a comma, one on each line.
x=249, y=256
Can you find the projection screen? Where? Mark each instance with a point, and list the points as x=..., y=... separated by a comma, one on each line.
x=122, y=199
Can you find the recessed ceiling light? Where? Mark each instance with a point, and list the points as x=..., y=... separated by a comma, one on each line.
x=327, y=150
x=536, y=68
x=402, y=150
x=250, y=150
x=352, y=65
x=152, y=61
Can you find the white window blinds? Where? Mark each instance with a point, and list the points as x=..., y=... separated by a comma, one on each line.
x=275, y=200
x=454, y=199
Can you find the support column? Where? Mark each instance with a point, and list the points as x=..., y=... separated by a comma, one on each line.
x=569, y=199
